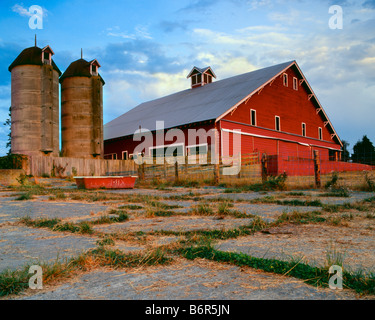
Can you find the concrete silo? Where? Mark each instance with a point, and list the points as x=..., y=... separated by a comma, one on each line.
x=35, y=103
x=82, y=110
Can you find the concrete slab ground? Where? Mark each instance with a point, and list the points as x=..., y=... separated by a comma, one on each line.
x=173, y=223
x=354, y=246
x=21, y=245
x=352, y=238
x=186, y=280
x=11, y=211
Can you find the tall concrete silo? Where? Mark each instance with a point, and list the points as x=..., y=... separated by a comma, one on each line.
x=82, y=110
x=35, y=103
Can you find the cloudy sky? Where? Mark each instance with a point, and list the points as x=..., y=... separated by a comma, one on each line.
x=147, y=48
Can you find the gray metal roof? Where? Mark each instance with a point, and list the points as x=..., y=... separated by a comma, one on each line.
x=192, y=105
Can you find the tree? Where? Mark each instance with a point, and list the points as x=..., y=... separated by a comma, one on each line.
x=8, y=123
x=364, y=151
x=345, y=155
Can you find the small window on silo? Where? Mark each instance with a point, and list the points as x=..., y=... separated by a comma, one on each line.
x=94, y=69
x=46, y=57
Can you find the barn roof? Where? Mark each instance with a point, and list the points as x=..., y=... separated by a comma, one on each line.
x=210, y=102
x=32, y=56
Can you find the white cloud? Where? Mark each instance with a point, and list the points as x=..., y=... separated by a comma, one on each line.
x=21, y=10
x=140, y=32
x=24, y=12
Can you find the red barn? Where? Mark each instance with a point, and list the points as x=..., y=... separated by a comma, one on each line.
x=275, y=110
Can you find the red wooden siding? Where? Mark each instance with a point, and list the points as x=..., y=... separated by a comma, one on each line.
x=292, y=106
x=117, y=146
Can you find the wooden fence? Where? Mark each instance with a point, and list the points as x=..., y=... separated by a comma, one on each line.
x=65, y=167
x=196, y=168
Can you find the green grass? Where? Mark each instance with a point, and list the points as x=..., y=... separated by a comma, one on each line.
x=225, y=209
x=131, y=207
x=25, y=196
x=316, y=276
x=202, y=209
x=118, y=259
x=294, y=202
x=13, y=282
x=106, y=219
x=300, y=217
x=17, y=281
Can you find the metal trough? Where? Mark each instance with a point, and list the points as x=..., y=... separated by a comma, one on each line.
x=107, y=182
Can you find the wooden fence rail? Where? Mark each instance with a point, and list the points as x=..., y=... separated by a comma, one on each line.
x=65, y=167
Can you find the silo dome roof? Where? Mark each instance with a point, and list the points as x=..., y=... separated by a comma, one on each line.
x=31, y=56
x=79, y=68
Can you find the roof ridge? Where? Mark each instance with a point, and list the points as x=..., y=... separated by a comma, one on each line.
x=192, y=105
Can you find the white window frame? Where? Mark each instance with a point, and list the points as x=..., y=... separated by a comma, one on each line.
x=46, y=61
x=251, y=117
x=285, y=79
x=195, y=77
x=95, y=71
x=113, y=156
x=166, y=146
x=125, y=152
x=295, y=83
x=196, y=145
x=303, y=129
x=320, y=133
x=131, y=156
x=277, y=117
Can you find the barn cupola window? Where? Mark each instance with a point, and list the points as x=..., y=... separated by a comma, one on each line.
x=94, y=66
x=47, y=54
x=200, y=77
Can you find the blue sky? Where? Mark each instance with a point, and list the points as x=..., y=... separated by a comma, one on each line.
x=146, y=48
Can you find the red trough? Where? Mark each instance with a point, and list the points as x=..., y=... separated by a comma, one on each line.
x=115, y=182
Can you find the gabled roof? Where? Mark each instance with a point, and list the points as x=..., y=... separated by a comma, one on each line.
x=48, y=49
x=32, y=56
x=80, y=68
x=95, y=62
x=201, y=70
x=210, y=102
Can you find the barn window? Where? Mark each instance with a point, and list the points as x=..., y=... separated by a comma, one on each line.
x=197, y=149
x=253, y=117
x=277, y=123
x=295, y=83
x=125, y=155
x=303, y=129
x=112, y=156
x=285, y=79
x=173, y=150
x=196, y=79
x=320, y=133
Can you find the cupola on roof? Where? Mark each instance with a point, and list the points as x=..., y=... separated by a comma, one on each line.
x=201, y=76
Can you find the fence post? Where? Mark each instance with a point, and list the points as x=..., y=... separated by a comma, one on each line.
x=141, y=169
x=176, y=170
x=317, y=168
x=264, y=167
x=216, y=173
x=186, y=164
x=240, y=164
x=165, y=169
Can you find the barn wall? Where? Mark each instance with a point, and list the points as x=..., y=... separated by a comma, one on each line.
x=292, y=106
x=117, y=146
x=255, y=139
